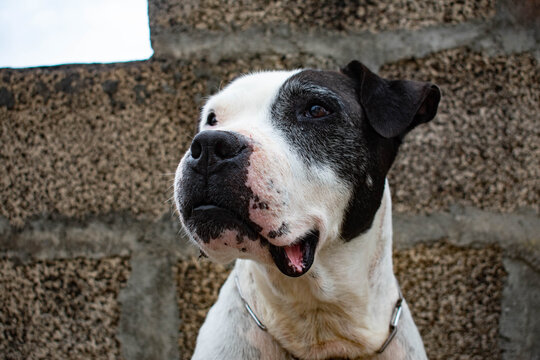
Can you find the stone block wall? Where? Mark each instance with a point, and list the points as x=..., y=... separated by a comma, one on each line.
x=93, y=261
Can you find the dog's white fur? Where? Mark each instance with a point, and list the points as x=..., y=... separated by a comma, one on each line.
x=342, y=307
x=334, y=310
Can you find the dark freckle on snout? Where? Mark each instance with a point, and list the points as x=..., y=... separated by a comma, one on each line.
x=244, y=249
x=239, y=239
x=263, y=206
x=254, y=206
x=283, y=230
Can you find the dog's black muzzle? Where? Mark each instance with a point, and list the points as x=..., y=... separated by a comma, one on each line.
x=213, y=195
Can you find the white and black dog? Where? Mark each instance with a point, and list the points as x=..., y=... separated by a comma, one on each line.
x=288, y=175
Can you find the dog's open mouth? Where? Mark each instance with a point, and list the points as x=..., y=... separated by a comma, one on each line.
x=296, y=259
x=292, y=260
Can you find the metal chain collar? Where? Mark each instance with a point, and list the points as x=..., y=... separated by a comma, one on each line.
x=396, y=315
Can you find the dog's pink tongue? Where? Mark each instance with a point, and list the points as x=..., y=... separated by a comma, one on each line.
x=295, y=256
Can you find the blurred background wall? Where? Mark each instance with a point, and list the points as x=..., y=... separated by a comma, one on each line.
x=93, y=262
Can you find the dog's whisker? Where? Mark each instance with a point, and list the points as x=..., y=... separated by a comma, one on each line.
x=169, y=201
x=170, y=187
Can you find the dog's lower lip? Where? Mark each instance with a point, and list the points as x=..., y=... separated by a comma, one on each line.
x=215, y=211
x=208, y=220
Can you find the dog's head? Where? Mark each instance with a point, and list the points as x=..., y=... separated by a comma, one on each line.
x=286, y=162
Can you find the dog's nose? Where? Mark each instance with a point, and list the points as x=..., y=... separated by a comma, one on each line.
x=213, y=147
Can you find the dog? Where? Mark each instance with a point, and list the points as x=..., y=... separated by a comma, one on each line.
x=287, y=176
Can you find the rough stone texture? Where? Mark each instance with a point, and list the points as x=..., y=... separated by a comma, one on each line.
x=455, y=298
x=454, y=295
x=520, y=327
x=228, y=15
x=61, y=309
x=483, y=148
x=509, y=28
x=198, y=284
x=77, y=143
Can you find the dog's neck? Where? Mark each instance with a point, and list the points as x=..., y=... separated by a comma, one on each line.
x=342, y=306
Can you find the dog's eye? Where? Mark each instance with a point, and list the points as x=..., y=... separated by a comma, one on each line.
x=211, y=119
x=316, y=111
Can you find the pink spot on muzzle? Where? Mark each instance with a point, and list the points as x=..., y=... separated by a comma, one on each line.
x=265, y=206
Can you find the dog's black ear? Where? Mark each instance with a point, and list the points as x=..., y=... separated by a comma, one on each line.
x=393, y=107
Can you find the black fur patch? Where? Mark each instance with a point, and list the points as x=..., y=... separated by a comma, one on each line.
x=327, y=141
x=343, y=141
x=358, y=149
x=214, y=197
